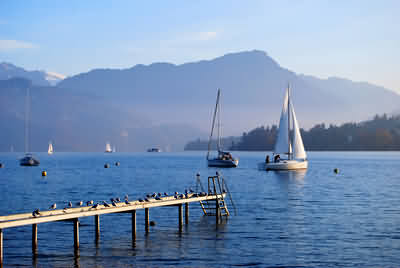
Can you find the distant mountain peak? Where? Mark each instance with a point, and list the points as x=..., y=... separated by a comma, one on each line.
x=40, y=78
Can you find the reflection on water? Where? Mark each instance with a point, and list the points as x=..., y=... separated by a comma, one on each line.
x=291, y=175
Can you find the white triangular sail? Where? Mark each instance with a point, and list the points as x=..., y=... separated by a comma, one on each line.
x=282, y=145
x=108, y=148
x=50, y=150
x=297, y=142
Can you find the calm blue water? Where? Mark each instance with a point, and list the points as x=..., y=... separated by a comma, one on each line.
x=317, y=219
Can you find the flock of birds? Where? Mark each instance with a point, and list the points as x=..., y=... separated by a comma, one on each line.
x=113, y=201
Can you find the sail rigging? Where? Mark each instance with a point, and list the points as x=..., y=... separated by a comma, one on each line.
x=289, y=139
x=216, y=110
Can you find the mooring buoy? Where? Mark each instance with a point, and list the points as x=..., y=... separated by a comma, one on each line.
x=152, y=223
x=336, y=170
x=117, y=164
x=44, y=173
x=1, y=165
x=106, y=165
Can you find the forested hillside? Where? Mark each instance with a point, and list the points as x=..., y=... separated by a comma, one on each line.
x=380, y=133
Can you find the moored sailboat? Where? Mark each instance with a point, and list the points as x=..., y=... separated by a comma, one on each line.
x=28, y=159
x=223, y=159
x=288, y=142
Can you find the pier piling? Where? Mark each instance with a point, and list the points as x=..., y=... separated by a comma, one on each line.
x=180, y=217
x=133, y=225
x=97, y=226
x=76, y=233
x=146, y=219
x=34, y=239
x=1, y=247
x=186, y=213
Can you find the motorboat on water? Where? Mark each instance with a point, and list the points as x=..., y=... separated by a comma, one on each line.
x=289, y=142
x=154, y=150
x=29, y=160
x=223, y=158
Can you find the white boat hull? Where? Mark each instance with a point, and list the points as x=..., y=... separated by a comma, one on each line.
x=222, y=163
x=286, y=165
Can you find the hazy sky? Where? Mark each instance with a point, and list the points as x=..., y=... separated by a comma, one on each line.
x=359, y=40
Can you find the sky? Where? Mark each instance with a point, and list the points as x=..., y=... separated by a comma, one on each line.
x=354, y=39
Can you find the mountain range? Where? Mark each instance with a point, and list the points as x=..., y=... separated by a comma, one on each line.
x=40, y=78
x=166, y=105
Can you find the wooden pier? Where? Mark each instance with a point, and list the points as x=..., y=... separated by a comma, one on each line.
x=73, y=214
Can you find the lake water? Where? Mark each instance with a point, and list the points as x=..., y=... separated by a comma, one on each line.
x=286, y=219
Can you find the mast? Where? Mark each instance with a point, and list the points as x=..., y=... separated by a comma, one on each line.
x=289, y=154
x=27, y=119
x=219, y=125
x=213, y=123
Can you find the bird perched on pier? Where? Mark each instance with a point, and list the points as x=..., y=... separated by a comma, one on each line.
x=176, y=193
x=158, y=198
x=89, y=202
x=112, y=200
x=186, y=191
x=165, y=194
x=154, y=195
x=36, y=213
x=140, y=200
x=127, y=202
x=106, y=204
x=148, y=195
x=70, y=204
x=181, y=195
x=191, y=190
x=126, y=197
x=114, y=204
x=80, y=203
x=95, y=205
x=146, y=199
x=54, y=206
x=117, y=199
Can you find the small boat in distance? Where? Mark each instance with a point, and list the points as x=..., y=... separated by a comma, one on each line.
x=50, y=150
x=108, y=148
x=28, y=159
x=223, y=159
x=154, y=150
x=288, y=141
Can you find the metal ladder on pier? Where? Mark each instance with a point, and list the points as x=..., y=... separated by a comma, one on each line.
x=216, y=186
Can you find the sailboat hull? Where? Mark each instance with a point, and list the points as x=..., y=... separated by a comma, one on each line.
x=286, y=165
x=222, y=163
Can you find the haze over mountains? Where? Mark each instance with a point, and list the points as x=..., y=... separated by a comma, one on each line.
x=166, y=105
x=39, y=78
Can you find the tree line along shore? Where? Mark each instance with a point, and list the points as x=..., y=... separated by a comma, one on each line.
x=382, y=133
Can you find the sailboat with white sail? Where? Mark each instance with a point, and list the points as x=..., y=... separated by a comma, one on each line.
x=108, y=148
x=223, y=159
x=50, y=149
x=289, y=141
